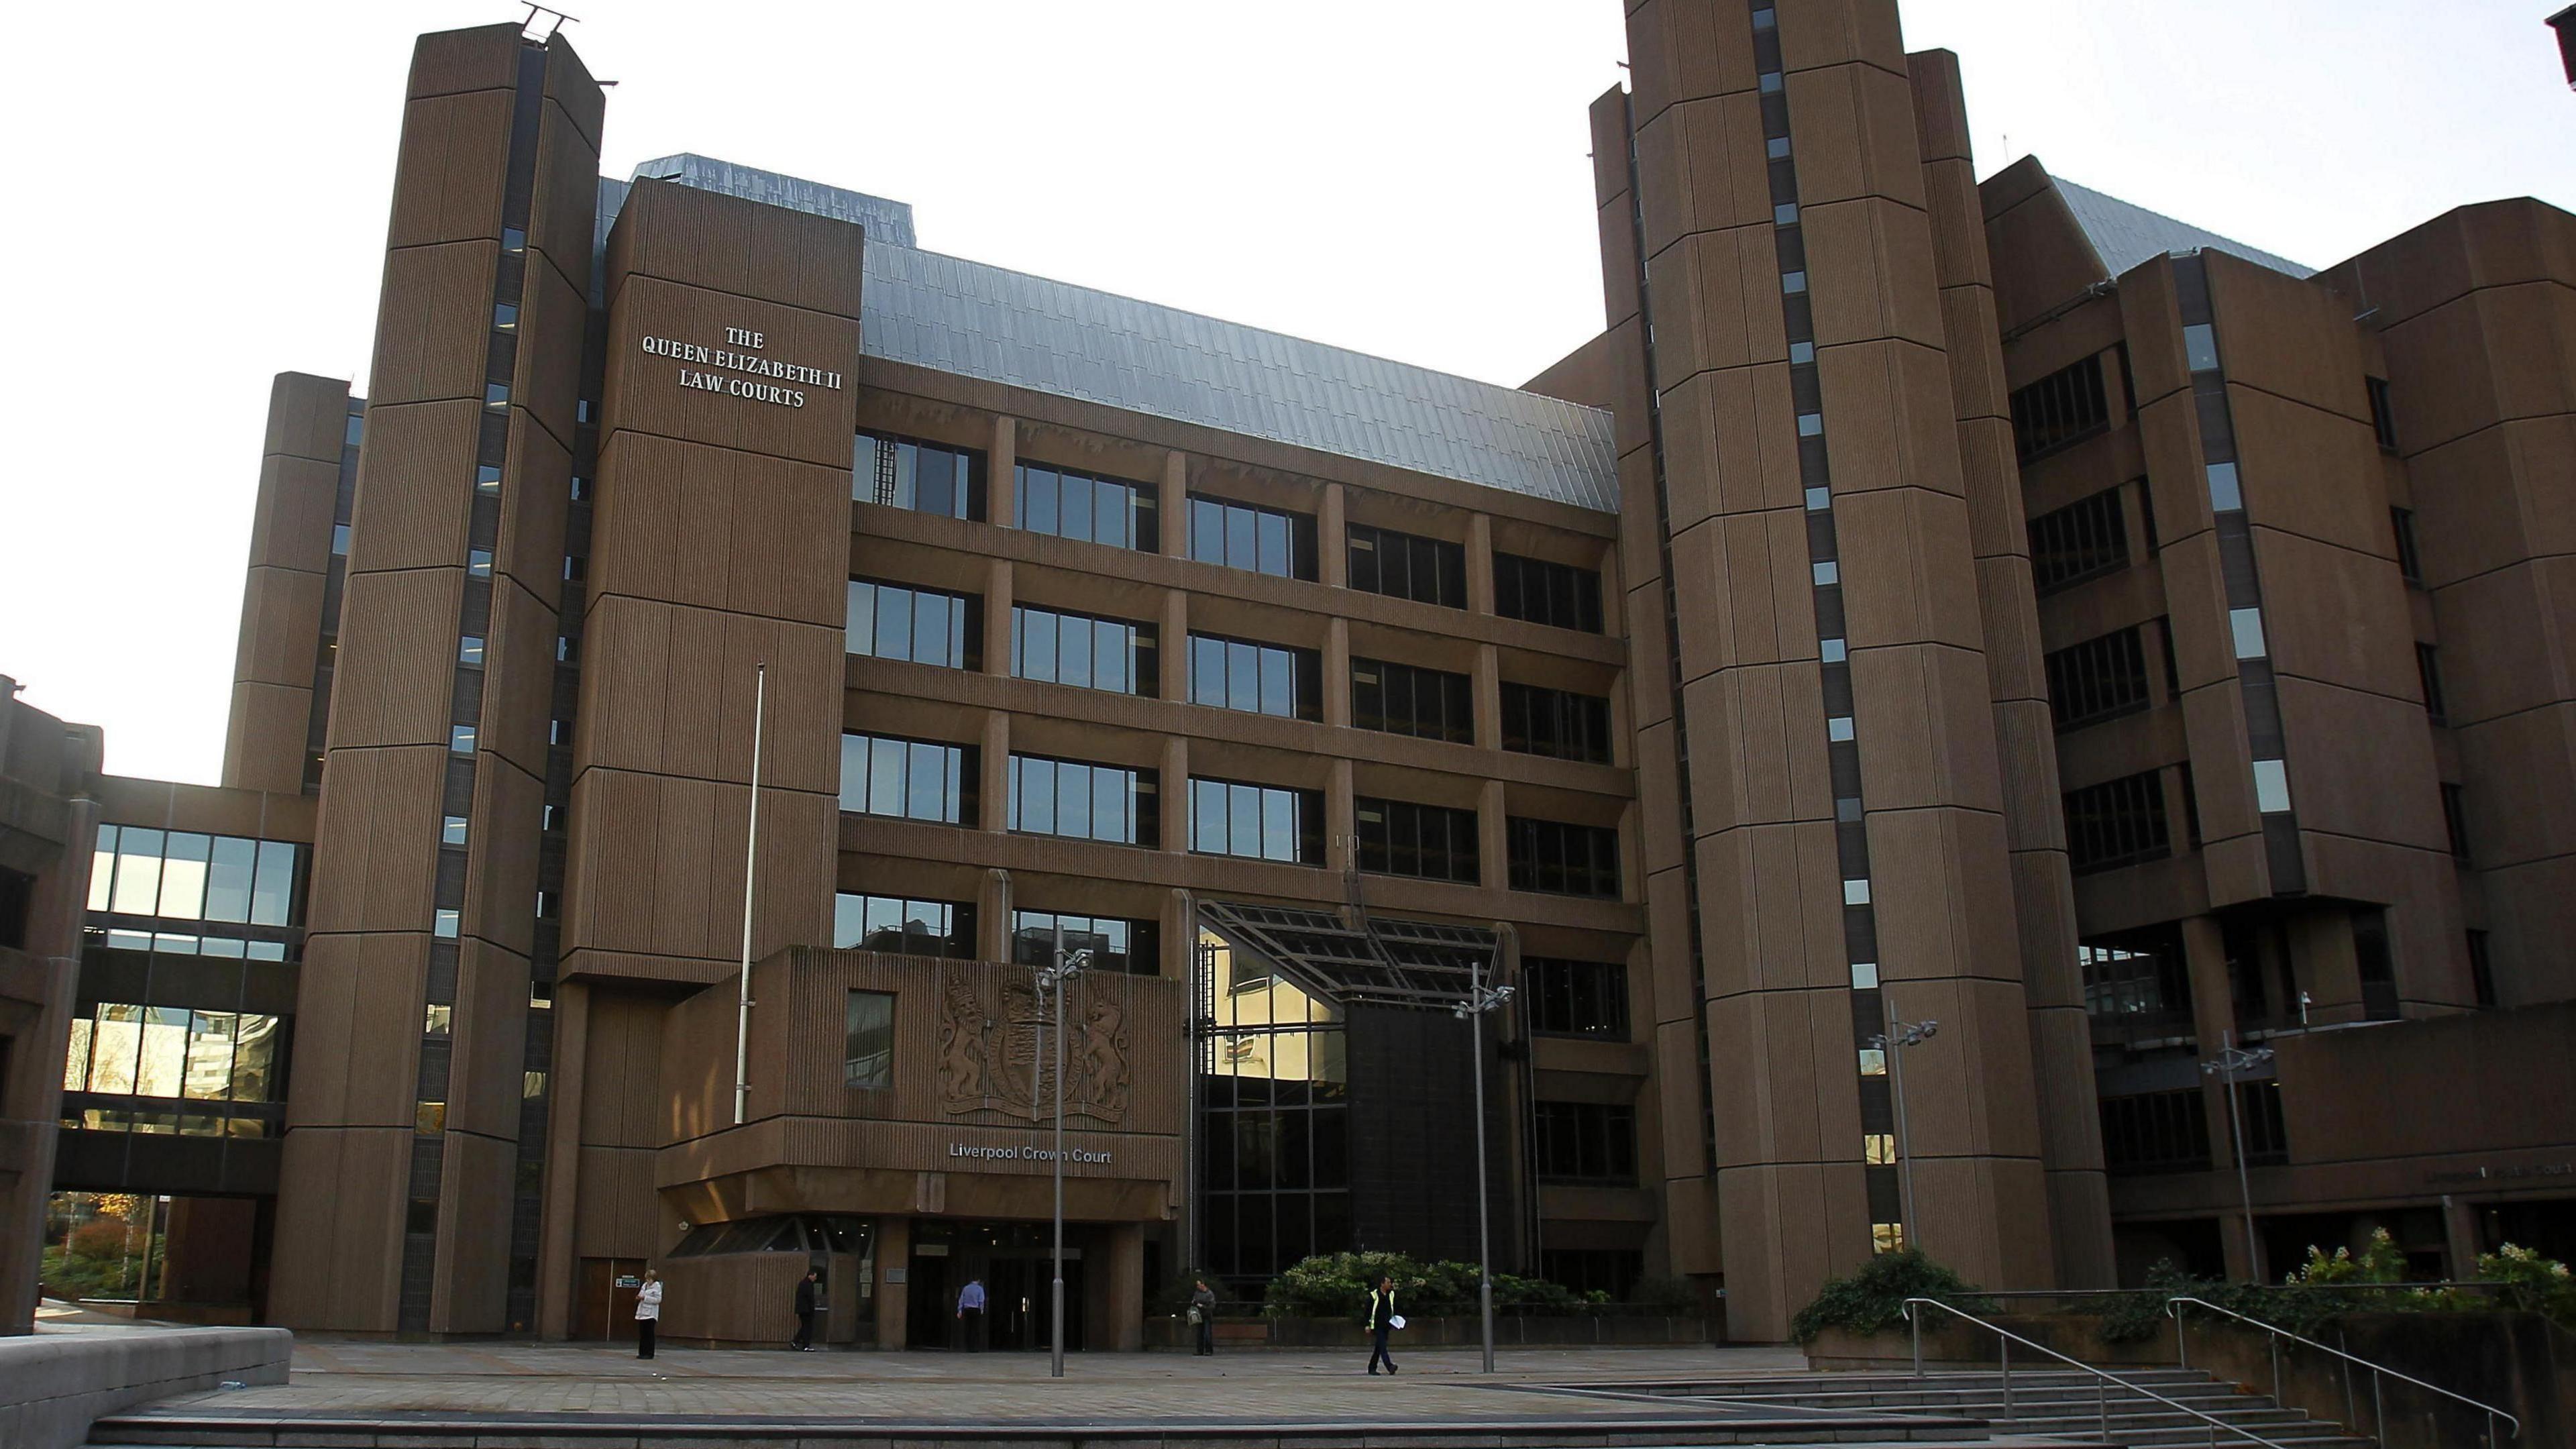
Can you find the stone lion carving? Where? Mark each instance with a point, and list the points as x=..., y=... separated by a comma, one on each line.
x=991, y=1024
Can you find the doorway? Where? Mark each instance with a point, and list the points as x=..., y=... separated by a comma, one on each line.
x=608, y=1289
x=1013, y=1262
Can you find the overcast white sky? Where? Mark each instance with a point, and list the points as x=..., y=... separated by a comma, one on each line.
x=202, y=195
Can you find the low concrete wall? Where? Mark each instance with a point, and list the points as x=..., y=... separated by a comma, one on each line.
x=53, y=1385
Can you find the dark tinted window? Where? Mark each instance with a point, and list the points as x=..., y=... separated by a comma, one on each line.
x=2097, y=679
x=2083, y=539
x=1406, y=699
x=1555, y=722
x=2118, y=822
x=2156, y=1132
x=1115, y=944
x=1256, y=678
x=1561, y=859
x=1586, y=1142
x=1547, y=593
x=2383, y=422
x=2410, y=564
x=2059, y=409
x=1577, y=998
x=903, y=927
x=1399, y=837
x=1257, y=822
x=1403, y=566
x=1116, y=804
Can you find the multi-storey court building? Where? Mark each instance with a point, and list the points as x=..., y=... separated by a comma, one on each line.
x=1993, y=605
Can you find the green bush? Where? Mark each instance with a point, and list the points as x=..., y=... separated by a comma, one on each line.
x=1873, y=1299
x=1336, y=1285
x=2328, y=1285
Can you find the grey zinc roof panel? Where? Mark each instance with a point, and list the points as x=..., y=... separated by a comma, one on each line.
x=2125, y=234
x=1010, y=327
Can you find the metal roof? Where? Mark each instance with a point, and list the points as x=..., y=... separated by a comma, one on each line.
x=989, y=322
x=2125, y=235
x=1385, y=960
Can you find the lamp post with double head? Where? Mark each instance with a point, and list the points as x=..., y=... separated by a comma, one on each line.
x=1051, y=978
x=1890, y=1044
x=2231, y=1060
x=1480, y=1000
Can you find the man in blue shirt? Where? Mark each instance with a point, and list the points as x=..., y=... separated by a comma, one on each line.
x=970, y=1316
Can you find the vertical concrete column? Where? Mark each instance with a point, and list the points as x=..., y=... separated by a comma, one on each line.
x=1002, y=474
x=2459, y=1238
x=1125, y=1275
x=2324, y=964
x=993, y=912
x=269, y=729
x=1176, y=683
x=1493, y=871
x=1180, y=935
x=994, y=806
x=1175, y=512
x=1341, y=821
x=894, y=1274
x=998, y=585
x=1480, y=563
x=1332, y=540
x=1337, y=673
x=1176, y=794
x=31, y=1076
x=1489, y=697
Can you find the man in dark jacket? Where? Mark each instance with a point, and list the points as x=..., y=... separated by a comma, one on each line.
x=1203, y=1317
x=808, y=1289
x=1381, y=1321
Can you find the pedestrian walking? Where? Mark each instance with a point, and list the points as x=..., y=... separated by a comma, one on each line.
x=970, y=1315
x=1203, y=1317
x=648, y=1312
x=807, y=1288
x=1381, y=1322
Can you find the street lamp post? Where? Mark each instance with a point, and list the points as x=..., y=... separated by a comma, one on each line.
x=1889, y=1044
x=2232, y=1059
x=1481, y=999
x=1051, y=980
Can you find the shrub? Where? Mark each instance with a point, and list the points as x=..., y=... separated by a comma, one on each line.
x=1334, y=1285
x=1873, y=1299
x=2534, y=1284
x=104, y=1238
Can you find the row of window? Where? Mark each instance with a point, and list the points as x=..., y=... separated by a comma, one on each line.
x=2170, y=1131
x=1123, y=656
x=906, y=926
x=181, y=875
x=909, y=473
x=169, y=1051
x=1591, y=1142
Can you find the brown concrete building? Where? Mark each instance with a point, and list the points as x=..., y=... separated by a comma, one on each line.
x=1943, y=662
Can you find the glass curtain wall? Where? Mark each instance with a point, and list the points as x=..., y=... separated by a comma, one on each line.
x=1274, y=1129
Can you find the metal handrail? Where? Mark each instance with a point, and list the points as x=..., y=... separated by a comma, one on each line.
x=2102, y=1389
x=2379, y=1408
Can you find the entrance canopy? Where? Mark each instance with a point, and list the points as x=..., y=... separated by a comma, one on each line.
x=1382, y=960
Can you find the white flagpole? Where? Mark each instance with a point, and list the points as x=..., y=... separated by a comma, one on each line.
x=750, y=864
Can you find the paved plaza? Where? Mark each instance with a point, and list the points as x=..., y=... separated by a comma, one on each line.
x=346, y=1379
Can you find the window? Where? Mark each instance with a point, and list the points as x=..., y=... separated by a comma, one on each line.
x=908, y=779
x=2137, y=978
x=2059, y=409
x=898, y=472
x=2226, y=493
x=1561, y=859
x=2258, y=1112
x=867, y=1057
x=1407, y=699
x=179, y=875
x=460, y=739
x=1134, y=947
x=17, y=904
x=2410, y=564
x=469, y=651
x=2118, y=822
x=451, y=830
x=2156, y=1132
x=1432, y=842
x=2245, y=626
x=2428, y=671
x=1403, y=566
x=2272, y=786
x=2200, y=347
x=2455, y=819
x=2374, y=963
x=123, y=1049
x=1586, y=1142
x=898, y=926
x=1082, y=801
x=1085, y=651
x=925, y=626
x=1577, y=998
x=2481, y=970
x=1555, y=722
x=1241, y=536
x=1256, y=678
x=1073, y=504
x=1258, y=822
x=1547, y=593
x=2097, y=679
x=2383, y=422
x=1612, y=1272
x=2084, y=539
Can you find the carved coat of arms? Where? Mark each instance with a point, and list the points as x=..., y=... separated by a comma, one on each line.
x=990, y=1025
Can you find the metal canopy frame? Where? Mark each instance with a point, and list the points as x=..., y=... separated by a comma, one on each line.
x=1392, y=962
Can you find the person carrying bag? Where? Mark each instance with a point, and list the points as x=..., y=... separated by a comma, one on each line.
x=1382, y=1320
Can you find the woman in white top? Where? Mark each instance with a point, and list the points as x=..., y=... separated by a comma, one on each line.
x=648, y=1312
